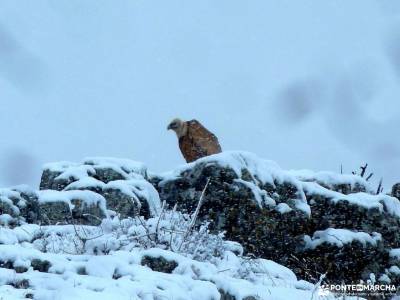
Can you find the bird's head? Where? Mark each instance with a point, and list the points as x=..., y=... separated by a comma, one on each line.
x=178, y=126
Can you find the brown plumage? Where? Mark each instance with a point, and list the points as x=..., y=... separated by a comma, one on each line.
x=195, y=141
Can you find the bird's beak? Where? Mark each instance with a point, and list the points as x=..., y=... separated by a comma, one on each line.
x=169, y=127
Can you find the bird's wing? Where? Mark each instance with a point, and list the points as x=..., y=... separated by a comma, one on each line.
x=203, y=138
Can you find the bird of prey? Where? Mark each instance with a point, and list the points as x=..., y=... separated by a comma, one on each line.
x=195, y=141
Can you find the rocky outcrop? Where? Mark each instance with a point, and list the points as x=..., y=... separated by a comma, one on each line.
x=273, y=213
x=57, y=176
x=21, y=204
x=82, y=193
x=121, y=182
x=313, y=223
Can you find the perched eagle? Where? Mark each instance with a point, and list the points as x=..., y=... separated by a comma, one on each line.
x=195, y=141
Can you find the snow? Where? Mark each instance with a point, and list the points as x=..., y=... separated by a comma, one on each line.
x=260, y=195
x=395, y=253
x=330, y=179
x=261, y=171
x=75, y=273
x=85, y=182
x=306, y=182
x=123, y=166
x=137, y=187
x=69, y=170
x=384, y=278
x=394, y=270
x=340, y=237
x=23, y=233
x=382, y=202
x=89, y=198
x=6, y=219
x=104, y=262
x=78, y=171
x=8, y=202
x=283, y=208
x=134, y=184
x=6, y=199
x=6, y=193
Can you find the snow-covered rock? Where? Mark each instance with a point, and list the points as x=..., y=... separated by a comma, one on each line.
x=341, y=237
x=121, y=182
x=82, y=207
x=22, y=204
x=108, y=227
x=11, y=203
x=58, y=175
x=271, y=212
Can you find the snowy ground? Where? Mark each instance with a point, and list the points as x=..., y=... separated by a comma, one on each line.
x=105, y=262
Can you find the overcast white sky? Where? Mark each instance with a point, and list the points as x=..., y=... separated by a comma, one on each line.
x=309, y=84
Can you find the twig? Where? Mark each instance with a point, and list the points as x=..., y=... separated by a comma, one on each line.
x=172, y=222
x=363, y=169
x=196, y=213
x=145, y=228
x=380, y=188
x=369, y=177
x=224, y=270
x=85, y=239
x=159, y=218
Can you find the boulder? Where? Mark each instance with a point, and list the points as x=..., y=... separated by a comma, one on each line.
x=342, y=253
x=81, y=193
x=18, y=205
x=66, y=207
x=109, y=169
x=58, y=175
x=123, y=183
x=159, y=264
x=9, y=209
x=132, y=197
x=227, y=296
x=24, y=205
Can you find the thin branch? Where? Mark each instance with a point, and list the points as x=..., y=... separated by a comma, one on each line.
x=159, y=218
x=196, y=213
x=369, y=176
x=380, y=187
x=145, y=228
x=224, y=270
x=363, y=170
x=85, y=239
x=172, y=222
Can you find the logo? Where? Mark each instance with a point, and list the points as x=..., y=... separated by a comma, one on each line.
x=357, y=289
